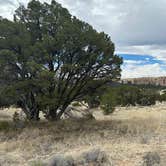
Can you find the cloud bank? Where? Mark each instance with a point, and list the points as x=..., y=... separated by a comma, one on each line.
x=136, y=27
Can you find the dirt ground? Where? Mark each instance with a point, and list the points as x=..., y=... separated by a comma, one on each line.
x=126, y=136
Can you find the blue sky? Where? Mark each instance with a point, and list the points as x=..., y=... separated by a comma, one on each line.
x=138, y=29
x=136, y=65
x=145, y=59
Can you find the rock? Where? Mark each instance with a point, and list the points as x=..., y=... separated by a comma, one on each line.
x=61, y=160
x=77, y=113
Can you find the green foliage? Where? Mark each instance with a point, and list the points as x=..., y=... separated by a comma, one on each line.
x=109, y=101
x=76, y=104
x=93, y=96
x=127, y=95
x=37, y=163
x=4, y=126
x=6, y=100
x=162, y=97
x=49, y=59
x=147, y=97
x=93, y=101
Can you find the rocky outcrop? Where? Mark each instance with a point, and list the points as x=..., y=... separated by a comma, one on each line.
x=77, y=113
x=158, y=81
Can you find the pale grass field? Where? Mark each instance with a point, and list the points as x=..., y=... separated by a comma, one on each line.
x=126, y=136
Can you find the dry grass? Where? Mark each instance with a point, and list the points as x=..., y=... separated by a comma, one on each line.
x=126, y=136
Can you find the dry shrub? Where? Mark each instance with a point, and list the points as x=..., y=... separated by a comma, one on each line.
x=151, y=159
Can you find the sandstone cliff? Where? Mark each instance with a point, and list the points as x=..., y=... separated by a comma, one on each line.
x=158, y=81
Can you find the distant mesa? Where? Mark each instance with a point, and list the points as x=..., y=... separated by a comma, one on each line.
x=157, y=81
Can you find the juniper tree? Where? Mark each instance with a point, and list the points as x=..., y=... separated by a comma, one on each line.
x=57, y=58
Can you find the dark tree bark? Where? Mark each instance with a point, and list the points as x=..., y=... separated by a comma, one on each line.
x=52, y=115
x=29, y=107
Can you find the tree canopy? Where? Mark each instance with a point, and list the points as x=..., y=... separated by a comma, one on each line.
x=49, y=58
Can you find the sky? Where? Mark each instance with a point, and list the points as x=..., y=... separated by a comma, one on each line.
x=137, y=27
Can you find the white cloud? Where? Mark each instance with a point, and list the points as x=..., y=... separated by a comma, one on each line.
x=127, y=21
x=157, y=51
x=150, y=70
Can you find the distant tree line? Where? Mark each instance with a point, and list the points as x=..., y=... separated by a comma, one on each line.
x=110, y=97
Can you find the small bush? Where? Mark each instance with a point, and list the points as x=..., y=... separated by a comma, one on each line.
x=108, y=109
x=109, y=101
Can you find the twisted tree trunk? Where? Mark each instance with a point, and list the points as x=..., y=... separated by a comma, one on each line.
x=29, y=107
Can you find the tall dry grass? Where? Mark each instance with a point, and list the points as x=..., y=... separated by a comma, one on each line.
x=126, y=136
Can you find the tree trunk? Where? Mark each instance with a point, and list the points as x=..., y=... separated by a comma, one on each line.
x=56, y=113
x=52, y=115
x=31, y=113
x=30, y=107
x=62, y=111
x=35, y=115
